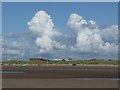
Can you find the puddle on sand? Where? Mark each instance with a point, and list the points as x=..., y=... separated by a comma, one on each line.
x=9, y=72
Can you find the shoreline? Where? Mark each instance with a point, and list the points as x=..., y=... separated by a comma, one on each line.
x=59, y=65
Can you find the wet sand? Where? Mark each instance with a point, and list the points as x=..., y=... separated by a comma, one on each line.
x=60, y=72
x=58, y=83
x=60, y=77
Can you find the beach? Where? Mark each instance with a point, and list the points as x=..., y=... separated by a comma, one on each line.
x=60, y=76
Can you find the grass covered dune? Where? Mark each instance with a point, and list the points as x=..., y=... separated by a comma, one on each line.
x=111, y=62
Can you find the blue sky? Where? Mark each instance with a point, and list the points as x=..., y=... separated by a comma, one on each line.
x=16, y=16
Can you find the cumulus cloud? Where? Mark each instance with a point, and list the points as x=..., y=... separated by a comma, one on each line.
x=90, y=38
x=14, y=48
x=19, y=44
x=4, y=43
x=77, y=22
x=11, y=52
x=43, y=40
x=43, y=27
x=110, y=34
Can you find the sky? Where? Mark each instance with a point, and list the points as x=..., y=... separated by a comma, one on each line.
x=59, y=30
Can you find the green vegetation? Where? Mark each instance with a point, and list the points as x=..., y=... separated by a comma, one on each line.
x=112, y=62
x=23, y=62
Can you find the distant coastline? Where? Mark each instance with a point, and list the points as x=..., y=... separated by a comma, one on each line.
x=62, y=63
x=101, y=65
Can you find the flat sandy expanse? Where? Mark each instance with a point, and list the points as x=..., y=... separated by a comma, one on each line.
x=60, y=77
x=60, y=72
x=58, y=83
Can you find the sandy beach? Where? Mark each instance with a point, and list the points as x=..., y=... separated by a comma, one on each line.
x=60, y=77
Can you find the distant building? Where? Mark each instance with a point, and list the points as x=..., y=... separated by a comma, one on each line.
x=92, y=59
x=37, y=59
x=69, y=59
x=56, y=59
x=109, y=60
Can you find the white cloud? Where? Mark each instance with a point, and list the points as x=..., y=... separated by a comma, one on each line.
x=11, y=52
x=42, y=26
x=108, y=48
x=90, y=38
x=110, y=34
x=14, y=47
x=76, y=22
x=4, y=43
x=88, y=41
x=19, y=44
